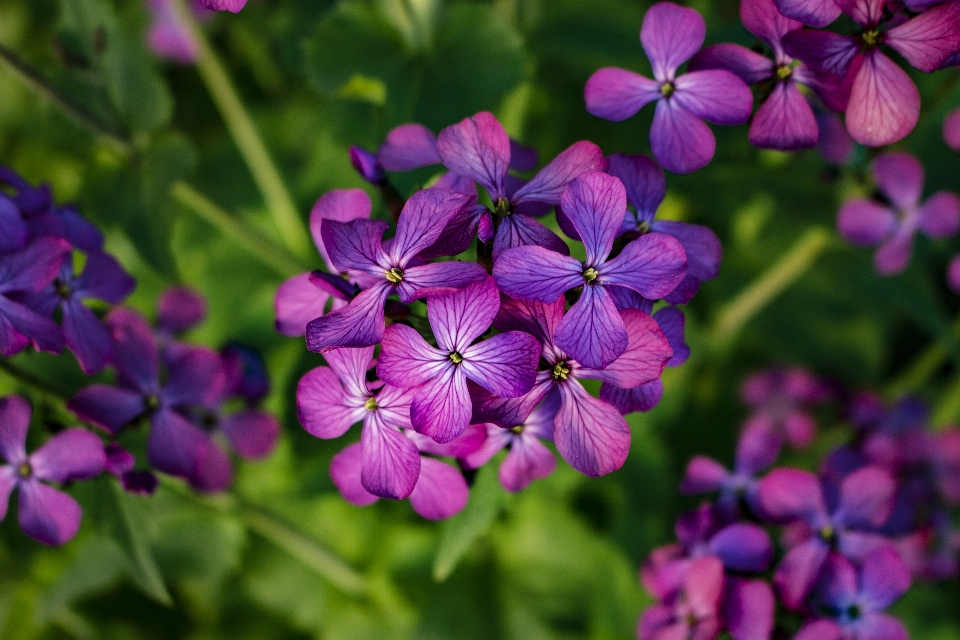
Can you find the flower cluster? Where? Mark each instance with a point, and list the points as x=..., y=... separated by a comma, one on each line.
x=850, y=74
x=850, y=539
x=479, y=356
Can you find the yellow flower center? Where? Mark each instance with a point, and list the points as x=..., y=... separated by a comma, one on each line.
x=371, y=404
x=394, y=276
x=560, y=371
x=456, y=358
x=784, y=71
x=24, y=470
x=871, y=38
x=667, y=89
x=590, y=274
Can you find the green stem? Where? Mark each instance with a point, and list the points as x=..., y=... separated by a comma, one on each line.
x=948, y=409
x=739, y=311
x=255, y=154
x=277, y=258
x=923, y=368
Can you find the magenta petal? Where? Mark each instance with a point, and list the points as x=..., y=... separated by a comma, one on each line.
x=672, y=323
x=505, y=364
x=866, y=498
x=460, y=232
x=749, y=66
x=424, y=217
x=341, y=205
x=391, y=462
x=536, y=318
x=460, y=318
x=252, y=433
x=8, y=482
x=592, y=331
x=644, y=357
x=763, y=19
x=590, y=434
x=355, y=244
x=496, y=438
x=885, y=578
x=477, y=148
x=536, y=273
x=704, y=586
x=714, y=95
x=927, y=40
x=899, y=176
x=865, y=223
x=438, y=279
x=441, y=491
x=790, y=494
x=652, y=265
x=819, y=630
x=939, y=217
x=509, y=412
x=176, y=446
x=85, y=335
x=680, y=141
x=350, y=366
x=866, y=13
x=616, y=94
x=47, y=515
x=642, y=398
x=823, y=50
x=799, y=570
x=407, y=361
x=757, y=449
x=951, y=130
x=528, y=460
x=110, y=407
x=703, y=475
x=549, y=183
x=893, y=256
x=359, y=324
x=595, y=203
x=743, y=546
x=953, y=274
x=749, y=607
x=815, y=13
x=14, y=422
x=180, y=309
x=784, y=121
x=214, y=472
x=298, y=301
x=884, y=102
x=700, y=244
x=345, y=469
x=408, y=147
x=644, y=181
x=520, y=230
x=441, y=408
x=73, y=454
x=232, y=6
x=880, y=626
x=33, y=268
x=670, y=35
x=834, y=143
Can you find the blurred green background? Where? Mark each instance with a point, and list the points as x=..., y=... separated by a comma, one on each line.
x=283, y=556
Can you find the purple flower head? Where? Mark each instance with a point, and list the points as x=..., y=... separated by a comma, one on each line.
x=358, y=245
x=842, y=520
x=951, y=130
x=756, y=451
x=46, y=514
x=367, y=165
x=504, y=365
x=680, y=140
x=303, y=298
x=781, y=401
x=590, y=434
x=741, y=546
x=884, y=103
x=120, y=463
x=180, y=309
x=193, y=377
x=479, y=150
x=84, y=333
x=332, y=399
x=246, y=372
x=592, y=331
x=785, y=120
x=26, y=272
x=169, y=37
x=693, y=610
x=893, y=224
x=850, y=603
x=527, y=458
x=813, y=13
x=223, y=5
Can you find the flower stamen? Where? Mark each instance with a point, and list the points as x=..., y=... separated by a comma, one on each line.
x=394, y=276
x=25, y=470
x=560, y=371
x=371, y=404
x=456, y=358
x=667, y=89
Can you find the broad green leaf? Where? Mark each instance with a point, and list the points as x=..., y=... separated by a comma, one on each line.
x=487, y=498
x=99, y=564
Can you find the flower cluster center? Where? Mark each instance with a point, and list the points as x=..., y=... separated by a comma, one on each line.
x=502, y=207
x=456, y=358
x=63, y=289
x=667, y=89
x=24, y=470
x=784, y=71
x=828, y=534
x=371, y=404
x=517, y=429
x=590, y=274
x=871, y=38
x=152, y=402
x=394, y=276
x=560, y=371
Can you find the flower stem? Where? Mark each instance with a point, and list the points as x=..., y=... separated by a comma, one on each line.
x=948, y=409
x=248, y=141
x=739, y=311
x=923, y=368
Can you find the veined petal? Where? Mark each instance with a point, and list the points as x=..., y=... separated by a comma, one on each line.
x=478, y=148
x=643, y=179
x=927, y=40
x=110, y=407
x=596, y=204
x=643, y=359
x=652, y=265
x=14, y=422
x=252, y=433
x=390, y=460
x=763, y=19
x=536, y=273
x=505, y=364
x=884, y=102
x=459, y=232
x=47, y=515
x=865, y=223
x=590, y=434
x=355, y=244
x=298, y=301
x=815, y=13
x=519, y=230
x=438, y=279
x=866, y=13
x=323, y=408
x=509, y=412
x=442, y=408
x=642, y=398
x=341, y=205
x=536, y=318
x=592, y=331
x=351, y=367
x=749, y=66
x=671, y=322
x=408, y=147
x=714, y=95
x=616, y=94
x=441, y=491
x=85, y=335
x=496, y=439
x=939, y=217
x=784, y=121
x=423, y=219
x=528, y=460
x=345, y=469
x=823, y=50
x=359, y=324
x=407, y=361
x=73, y=454
x=700, y=244
x=670, y=35
x=460, y=318
x=551, y=181
x=680, y=141
x=899, y=176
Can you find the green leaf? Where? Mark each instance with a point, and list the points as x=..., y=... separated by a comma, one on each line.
x=487, y=499
x=121, y=521
x=98, y=565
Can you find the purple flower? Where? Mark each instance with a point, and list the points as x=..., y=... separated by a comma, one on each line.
x=680, y=141
x=358, y=245
x=815, y=13
x=693, y=611
x=884, y=103
x=479, y=149
x=46, y=514
x=303, y=298
x=951, y=130
x=13, y=228
x=756, y=451
x=852, y=602
x=866, y=223
x=194, y=377
x=504, y=364
x=246, y=372
x=842, y=520
x=223, y=5
x=169, y=37
x=180, y=309
x=27, y=272
x=332, y=399
x=367, y=165
x=84, y=333
x=527, y=458
x=741, y=546
x=592, y=331
x=120, y=463
x=590, y=434
x=785, y=120
x=781, y=401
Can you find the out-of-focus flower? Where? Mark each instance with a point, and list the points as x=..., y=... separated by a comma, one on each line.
x=168, y=36
x=223, y=5
x=951, y=130
x=781, y=401
x=26, y=272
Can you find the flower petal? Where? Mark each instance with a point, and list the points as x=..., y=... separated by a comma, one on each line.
x=591, y=435
x=298, y=301
x=407, y=361
x=703, y=475
x=110, y=407
x=359, y=324
x=865, y=223
x=939, y=217
x=884, y=102
x=757, y=449
x=459, y=232
x=551, y=181
x=536, y=273
x=672, y=322
x=438, y=279
x=643, y=179
x=509, y=412
x=345, y=469
x=815, y=13
x=644, y=357
x=195, y=376
x=884, y=580
x=749, y=607
x=252, y=433
x=652, y=265
x=519, y=230
x=796, y=574
x=176, y=446
x=866, y=498
x=592, y=331
x=819, y=630
x=893, y=256
x=680, y=141
x=408, y=147
x=135, y=353
x=13, y=229
x=8, y=482
x=390, y=460
x=73, y=454
x=704, y=586
x=441, y=491
x=44, y=332
x=457, y=319
x=528, y=460
x=784, y=121
x=714, y=95
x=899, y=176
x=214, y=472
x=424, y=217
x=791, y=494
x=442, y=408
x=743, y=546
x=14, y=422
x=670, y=35
x=85, y=335
x=596, y=203
x=763, y=19
x=505, y=364
x=951, y=130
x=880, y=626
x=103, y=278
x=823, y=50
x=617, y=94
x=929, y=39
x=355, y=244
x=33, y=268
x=340, y=205
x=477, y=148
x=749, y=66
x=47, y=515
